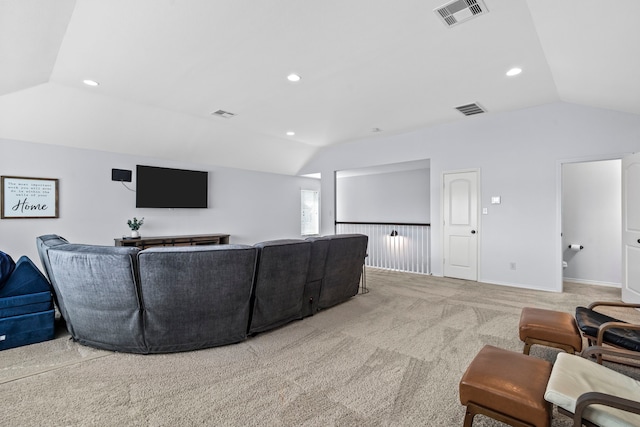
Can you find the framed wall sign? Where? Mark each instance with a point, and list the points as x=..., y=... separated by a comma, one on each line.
x=24, y=197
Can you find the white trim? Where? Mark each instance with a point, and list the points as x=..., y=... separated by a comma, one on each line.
x=593, y=282
x=478, y=213
x=559, y=285
x=318, y=224
x=519, y=285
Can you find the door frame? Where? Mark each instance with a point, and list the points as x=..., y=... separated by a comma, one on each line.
x=559, y=285
x=628, y=294
x=478, y=214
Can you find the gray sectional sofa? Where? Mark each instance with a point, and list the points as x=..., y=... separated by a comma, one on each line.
x=169, y=299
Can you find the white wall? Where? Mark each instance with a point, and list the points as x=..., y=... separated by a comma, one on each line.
x=250, y=206
x=401, y=197
x=519, y=154
x=592, y=217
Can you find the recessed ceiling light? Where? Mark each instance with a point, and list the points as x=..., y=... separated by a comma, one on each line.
x=90, y=82
x=514, y=72
x=291, y=133
x=294, y=78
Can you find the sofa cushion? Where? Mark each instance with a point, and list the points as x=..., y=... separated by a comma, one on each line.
x=279, y=283
x=45, y=242
x=343, y=269
x=6, y=267
x=98, y=287
x=25, y=304
x=195, y=296
x=26, y=279
x=319, y=250
x=26, y=329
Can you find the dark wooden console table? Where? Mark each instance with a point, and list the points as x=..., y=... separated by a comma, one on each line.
x=197, y=239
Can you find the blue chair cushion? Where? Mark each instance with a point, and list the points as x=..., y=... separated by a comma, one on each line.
x=7, y=265
x=26, y=279
x=589, y=321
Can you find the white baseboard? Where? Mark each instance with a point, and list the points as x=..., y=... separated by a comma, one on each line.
x=592, y=282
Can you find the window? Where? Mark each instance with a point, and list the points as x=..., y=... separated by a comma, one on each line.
x=309, y=212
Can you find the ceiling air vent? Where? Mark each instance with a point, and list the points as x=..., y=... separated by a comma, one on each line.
x=471, y=109
x=223, y=114
x=458, y=11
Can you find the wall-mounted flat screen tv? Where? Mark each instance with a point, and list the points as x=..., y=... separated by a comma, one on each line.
x=158, y=187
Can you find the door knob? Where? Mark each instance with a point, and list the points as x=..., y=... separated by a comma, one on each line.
x=474, y=232
x=638, y=240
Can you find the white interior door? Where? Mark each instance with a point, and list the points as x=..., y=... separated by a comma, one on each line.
x=631, y=228
x=460, y=213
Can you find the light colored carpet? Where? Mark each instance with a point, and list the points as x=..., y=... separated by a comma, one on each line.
x=392, y=357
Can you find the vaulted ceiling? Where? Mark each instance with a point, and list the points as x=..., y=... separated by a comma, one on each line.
x=367, y=67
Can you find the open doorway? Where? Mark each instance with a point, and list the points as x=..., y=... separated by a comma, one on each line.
x=391, y=205
x=591, y=222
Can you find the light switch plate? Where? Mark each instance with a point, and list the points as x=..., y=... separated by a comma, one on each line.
x=485, y=211
x=495, y=200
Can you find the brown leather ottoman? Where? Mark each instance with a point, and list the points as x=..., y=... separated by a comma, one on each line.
x=506, y=386
x=551, y=328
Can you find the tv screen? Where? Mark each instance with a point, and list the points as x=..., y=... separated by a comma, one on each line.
x=158, y=187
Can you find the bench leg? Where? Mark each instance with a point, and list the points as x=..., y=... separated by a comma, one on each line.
x=468, y=418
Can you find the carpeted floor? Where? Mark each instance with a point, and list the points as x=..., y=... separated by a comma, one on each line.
x=391, y=357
